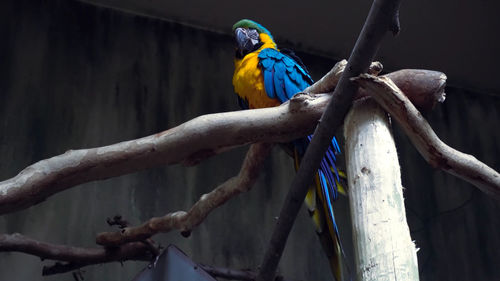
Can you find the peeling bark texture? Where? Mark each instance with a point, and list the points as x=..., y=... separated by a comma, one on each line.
x=187, y=143
x=76, y=257
x=434, y=151
x=186, y=221
x=382, y=243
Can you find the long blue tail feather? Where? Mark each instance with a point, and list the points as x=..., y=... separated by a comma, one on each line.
x=328, y=200
x=328, y=177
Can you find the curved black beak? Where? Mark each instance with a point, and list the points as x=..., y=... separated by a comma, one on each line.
x=247, y=41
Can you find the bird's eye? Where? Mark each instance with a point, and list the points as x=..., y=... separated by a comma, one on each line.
x=253, y=34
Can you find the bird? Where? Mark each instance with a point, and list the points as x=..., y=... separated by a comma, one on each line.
x=265, y=76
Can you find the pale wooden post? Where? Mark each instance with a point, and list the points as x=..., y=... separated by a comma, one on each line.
x=382, y=243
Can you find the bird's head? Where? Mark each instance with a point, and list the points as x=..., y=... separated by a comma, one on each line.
x=250, y=36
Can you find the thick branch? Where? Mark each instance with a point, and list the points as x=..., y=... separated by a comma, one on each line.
x=425, y=88
x=187, y=221
x=188, y=143
x=382, y=243
x=434, y=151
x=75, y=256
x=381, y=18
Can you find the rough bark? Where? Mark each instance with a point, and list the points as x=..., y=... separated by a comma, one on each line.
x=434, y=151
x=382, y=243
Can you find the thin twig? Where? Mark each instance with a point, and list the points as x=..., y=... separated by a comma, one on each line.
x=186, y=221
x=434, y=151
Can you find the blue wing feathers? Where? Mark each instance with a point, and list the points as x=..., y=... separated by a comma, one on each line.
x=268, y=83
x=288, y=62
x=267, y=63
x=283, y=78
x=279, y=81
x=290, y=86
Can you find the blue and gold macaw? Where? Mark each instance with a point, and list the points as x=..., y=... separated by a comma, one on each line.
x=264, y=76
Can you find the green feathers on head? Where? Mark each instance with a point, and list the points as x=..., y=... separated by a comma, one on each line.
x=246, y=23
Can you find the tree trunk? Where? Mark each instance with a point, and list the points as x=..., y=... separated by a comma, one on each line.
x=382, y=243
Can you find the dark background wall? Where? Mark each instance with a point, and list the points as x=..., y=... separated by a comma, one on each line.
x=74, y=75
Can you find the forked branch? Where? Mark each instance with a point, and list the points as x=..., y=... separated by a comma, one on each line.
x=434, y=151
x=187, y=143
x=186, y=221
x=430, y=83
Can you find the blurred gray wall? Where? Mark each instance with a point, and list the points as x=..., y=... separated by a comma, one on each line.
x=73, y=75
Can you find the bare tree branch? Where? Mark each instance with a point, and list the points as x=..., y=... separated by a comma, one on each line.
x=381, y=18
x=190, y=142
x=425, y=88
x=244, y=181
x=185, y=222
x=75, y=256
x=434, y=151
x=71, y=258
x=328, y=82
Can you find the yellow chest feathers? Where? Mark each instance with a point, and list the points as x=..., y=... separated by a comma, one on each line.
x=248, y=80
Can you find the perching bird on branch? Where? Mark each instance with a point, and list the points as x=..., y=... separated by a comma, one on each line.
x=264, y=76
